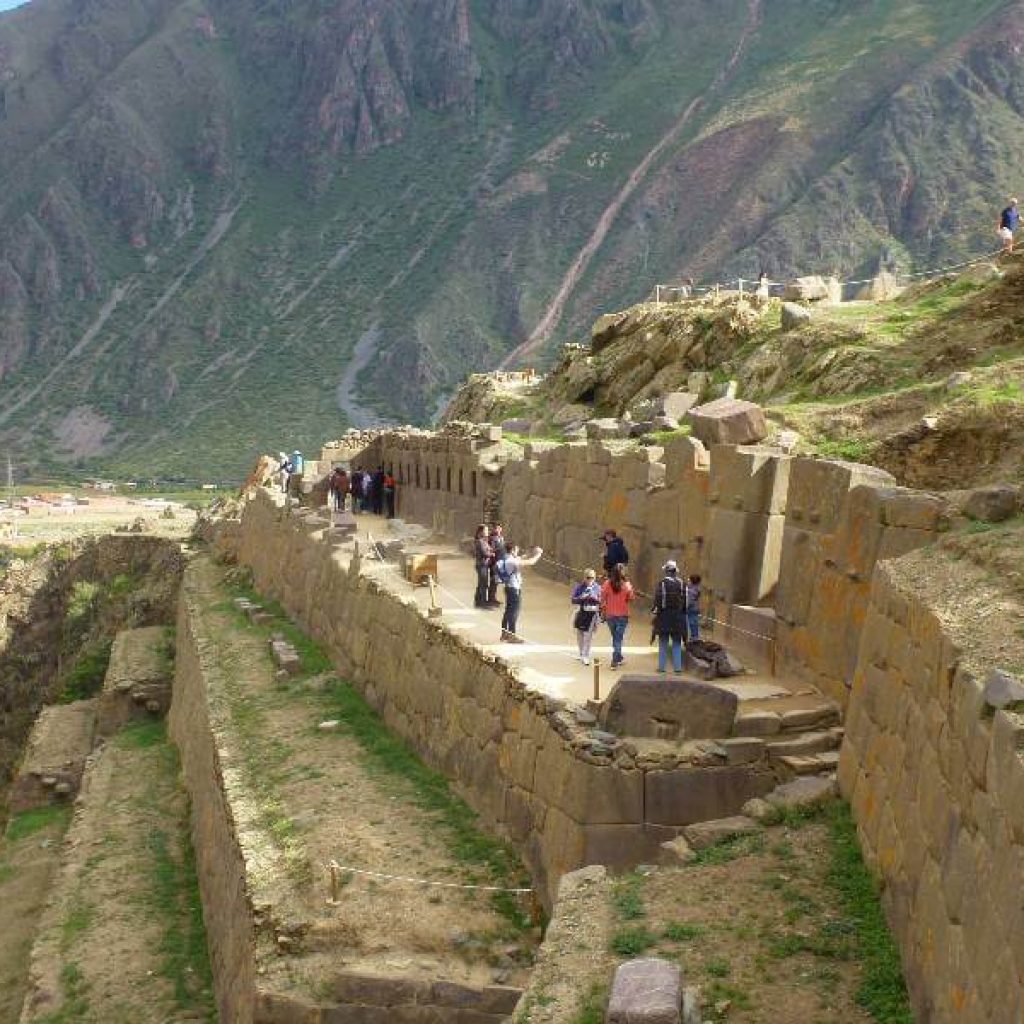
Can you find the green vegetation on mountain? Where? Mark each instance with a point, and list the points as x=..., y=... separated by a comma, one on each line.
x=233, y=227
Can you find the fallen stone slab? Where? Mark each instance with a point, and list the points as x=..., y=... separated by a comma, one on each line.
x=821, y=716
x=728, y=421
x=676, y=852
x=657, y=707
x=647, y=991
x=993, y=504
x=676, y=404
x=757, y=723
x=804, y=792
x=710, y=833
x=794, y=316
x=807, y=743
x=1002, y=690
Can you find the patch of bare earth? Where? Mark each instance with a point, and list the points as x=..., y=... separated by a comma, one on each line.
x=755, y=924
x=310, y=795
x=29, y=856
x=121, y=941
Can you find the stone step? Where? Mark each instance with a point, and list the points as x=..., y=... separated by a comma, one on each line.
x=811, y=764
x=804, y=743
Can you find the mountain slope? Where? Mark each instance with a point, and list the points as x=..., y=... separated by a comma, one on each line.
x=233, y=226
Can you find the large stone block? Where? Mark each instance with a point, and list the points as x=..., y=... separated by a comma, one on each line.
x=685, y=796
x=588, y=793
x=647, y=991
x=744, y=555
x=663, y=708
x=746, y=479
x=818, y=489
x=728, y=421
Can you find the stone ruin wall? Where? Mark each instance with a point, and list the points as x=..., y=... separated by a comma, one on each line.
x=796, y=537
x=936, y=780
x=517, y=756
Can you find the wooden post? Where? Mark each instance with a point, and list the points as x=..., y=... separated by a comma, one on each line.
x=435, y=608
x=657, y=294
x=740, y=283
x=597, y=679
x=775, y=656
x=335, y=885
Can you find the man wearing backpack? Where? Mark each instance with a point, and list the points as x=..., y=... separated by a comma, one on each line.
x=509, y=570
x=670, y=617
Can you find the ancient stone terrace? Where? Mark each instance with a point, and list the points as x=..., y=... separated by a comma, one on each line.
x=831, y=561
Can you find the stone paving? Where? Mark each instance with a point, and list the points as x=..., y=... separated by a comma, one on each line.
x=548, y=660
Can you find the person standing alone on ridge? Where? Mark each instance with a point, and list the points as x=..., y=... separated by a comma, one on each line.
x=1009, y=221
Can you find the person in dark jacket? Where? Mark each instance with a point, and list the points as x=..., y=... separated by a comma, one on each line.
x=483, y=558
x=615, y=552
x=670, y=617
x=377, y=492
x=497, y=541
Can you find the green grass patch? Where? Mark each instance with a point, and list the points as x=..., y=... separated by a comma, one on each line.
x=678, y=931
x=86, y=675
x=718, y=967
x=627, y=897
x=75, y=993
x=592, y=1010
x=882, y=992
x=175, y=901
x=848, y=449
x=142, y=735
x=731, y=848
x=28, y=823
x=76, y=921
x=632, y=941
x=485, y=858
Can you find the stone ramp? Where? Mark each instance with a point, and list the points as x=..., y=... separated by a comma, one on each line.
x=58, y=746
x=122, y=898
x=138, y=679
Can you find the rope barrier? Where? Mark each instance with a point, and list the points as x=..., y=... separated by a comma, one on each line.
x=739, y=282
x=335, y=866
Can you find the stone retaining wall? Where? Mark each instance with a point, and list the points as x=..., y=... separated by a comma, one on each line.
x=936, y=780
x=219, y=862
x=520, y=759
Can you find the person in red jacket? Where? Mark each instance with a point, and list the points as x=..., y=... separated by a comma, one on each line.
x=617, y=594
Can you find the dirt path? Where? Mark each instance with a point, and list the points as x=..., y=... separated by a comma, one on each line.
x=347, y=793
x=29, y=856
x=553, y=314
x=121, y=940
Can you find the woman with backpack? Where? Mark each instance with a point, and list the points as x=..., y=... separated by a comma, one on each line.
x=617, y=594
x=586, y=597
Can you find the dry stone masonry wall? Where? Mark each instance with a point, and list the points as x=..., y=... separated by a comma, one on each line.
x=526, y=762
x=796, y=537
x=827, y=558
x=934, y=769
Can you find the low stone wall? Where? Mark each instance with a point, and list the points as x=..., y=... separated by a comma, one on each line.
x=936, y=780
x=219, y=862
x=520, y=759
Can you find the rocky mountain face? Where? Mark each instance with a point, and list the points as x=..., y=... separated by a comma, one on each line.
x=232, y=226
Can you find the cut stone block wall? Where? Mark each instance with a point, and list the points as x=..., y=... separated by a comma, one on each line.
x=508, y=750
x=936, y=781
x=798, y=534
